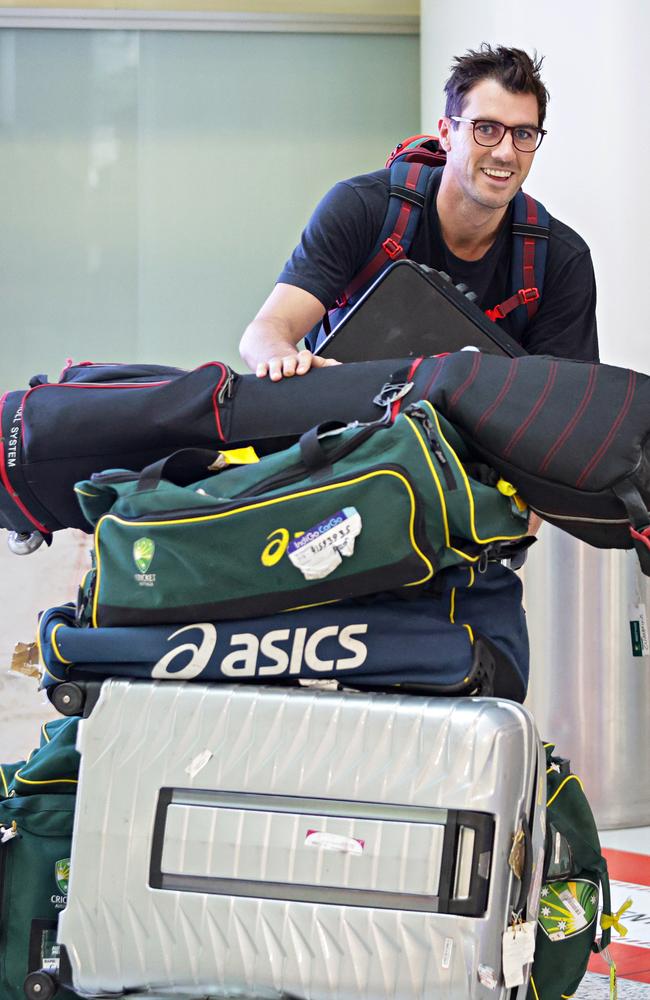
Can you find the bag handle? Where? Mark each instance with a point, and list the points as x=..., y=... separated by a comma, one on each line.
x=317, y=460
x=182, y=467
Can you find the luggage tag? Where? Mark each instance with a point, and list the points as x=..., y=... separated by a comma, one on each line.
x=319, y=550
x=518, y=950
x=25, y=659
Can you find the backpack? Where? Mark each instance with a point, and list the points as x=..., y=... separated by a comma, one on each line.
x=412, y=165
x=574, y=873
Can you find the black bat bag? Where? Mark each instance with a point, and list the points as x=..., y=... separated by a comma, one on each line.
x=106, y=416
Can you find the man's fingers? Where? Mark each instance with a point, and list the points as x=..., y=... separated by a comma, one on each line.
x=305, y=361
x=318, y=362
x=287, y=365
x=275, y=369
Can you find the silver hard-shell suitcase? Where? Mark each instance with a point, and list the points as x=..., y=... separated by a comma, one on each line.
x=262, y=842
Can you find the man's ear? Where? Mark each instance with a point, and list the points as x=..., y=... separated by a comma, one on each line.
x=444, y=133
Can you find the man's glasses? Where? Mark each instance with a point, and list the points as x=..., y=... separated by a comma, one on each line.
x=525, y=138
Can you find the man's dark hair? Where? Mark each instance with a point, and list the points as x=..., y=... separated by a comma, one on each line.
x=512, y=68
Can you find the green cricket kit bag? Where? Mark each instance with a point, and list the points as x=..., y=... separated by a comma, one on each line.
x=575, y=873
x=353, y=511
x=37, y=800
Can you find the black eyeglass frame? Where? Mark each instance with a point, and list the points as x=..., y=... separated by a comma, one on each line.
x=541, y=132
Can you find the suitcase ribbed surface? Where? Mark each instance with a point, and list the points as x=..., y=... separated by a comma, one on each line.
x=241, y=777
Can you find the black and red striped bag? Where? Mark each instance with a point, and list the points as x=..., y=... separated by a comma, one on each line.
x=573, y=437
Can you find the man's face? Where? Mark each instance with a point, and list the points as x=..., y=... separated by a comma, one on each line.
x=489, y=176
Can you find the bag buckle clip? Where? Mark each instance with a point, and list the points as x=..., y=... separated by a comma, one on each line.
x=526, y=295
x=392, y=248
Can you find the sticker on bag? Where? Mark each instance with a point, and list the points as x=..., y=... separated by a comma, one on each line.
x=334, y=842
x=319, y=550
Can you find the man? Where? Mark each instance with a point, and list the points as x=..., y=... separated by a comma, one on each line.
x=494, y=113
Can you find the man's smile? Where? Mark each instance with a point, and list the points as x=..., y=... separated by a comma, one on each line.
x=496, y=174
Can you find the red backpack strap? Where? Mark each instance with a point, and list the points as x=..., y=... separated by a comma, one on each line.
x=411, y=165
x=408, y=182
x=530, y=235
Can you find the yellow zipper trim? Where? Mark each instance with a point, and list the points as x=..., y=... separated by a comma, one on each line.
x=570, y=777
x=48, y=781
x=60, y=657
x=476, y=538
x=4, y=782
x=42, y=658
x=534, y=988
x=257, y=506
x=45, y=734
x=441, y=493
x=82, y=493
x=452, y=614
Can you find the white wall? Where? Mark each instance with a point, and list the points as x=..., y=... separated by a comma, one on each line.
x=592, y=169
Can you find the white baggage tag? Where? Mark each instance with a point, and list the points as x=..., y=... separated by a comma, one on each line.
x=318, y=551
x=518, y=951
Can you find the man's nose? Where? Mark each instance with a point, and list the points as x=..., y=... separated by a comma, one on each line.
x=505, y=146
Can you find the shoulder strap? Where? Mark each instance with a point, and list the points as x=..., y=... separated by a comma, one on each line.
x=530, y=235
x=408, y=184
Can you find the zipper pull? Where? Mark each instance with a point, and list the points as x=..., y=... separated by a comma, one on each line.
x=226, y=388
x=430, y=432
x=8, y=833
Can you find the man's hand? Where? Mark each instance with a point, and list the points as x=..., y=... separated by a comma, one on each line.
x=297, y=363
x=270, y=343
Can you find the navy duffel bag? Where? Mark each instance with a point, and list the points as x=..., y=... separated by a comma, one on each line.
x=467, y=636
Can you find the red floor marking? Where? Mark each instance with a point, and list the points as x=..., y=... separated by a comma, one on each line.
x=627, y=867
x=632, y=961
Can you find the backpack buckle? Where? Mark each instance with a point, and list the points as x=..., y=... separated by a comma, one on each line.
x=526, y=295
x=392, y=248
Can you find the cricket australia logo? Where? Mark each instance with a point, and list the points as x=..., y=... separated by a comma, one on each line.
x=566, y=908
x=143, y=553
x=62, y=877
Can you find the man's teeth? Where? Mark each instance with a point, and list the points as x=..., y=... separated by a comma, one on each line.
x=497, y=173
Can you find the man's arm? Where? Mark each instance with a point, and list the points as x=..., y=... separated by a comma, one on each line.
x=270, y=343
x=333, y=247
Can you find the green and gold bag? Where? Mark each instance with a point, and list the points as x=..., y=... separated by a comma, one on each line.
x=37, y=800
x=574, y=874
x=345, y=512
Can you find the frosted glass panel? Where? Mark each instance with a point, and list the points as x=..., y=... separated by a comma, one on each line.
x=153, y=183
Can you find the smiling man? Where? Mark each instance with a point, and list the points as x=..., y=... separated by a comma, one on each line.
x=490, y=132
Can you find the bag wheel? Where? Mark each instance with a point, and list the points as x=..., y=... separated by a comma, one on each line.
x=68, y=698
x=39, y=986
